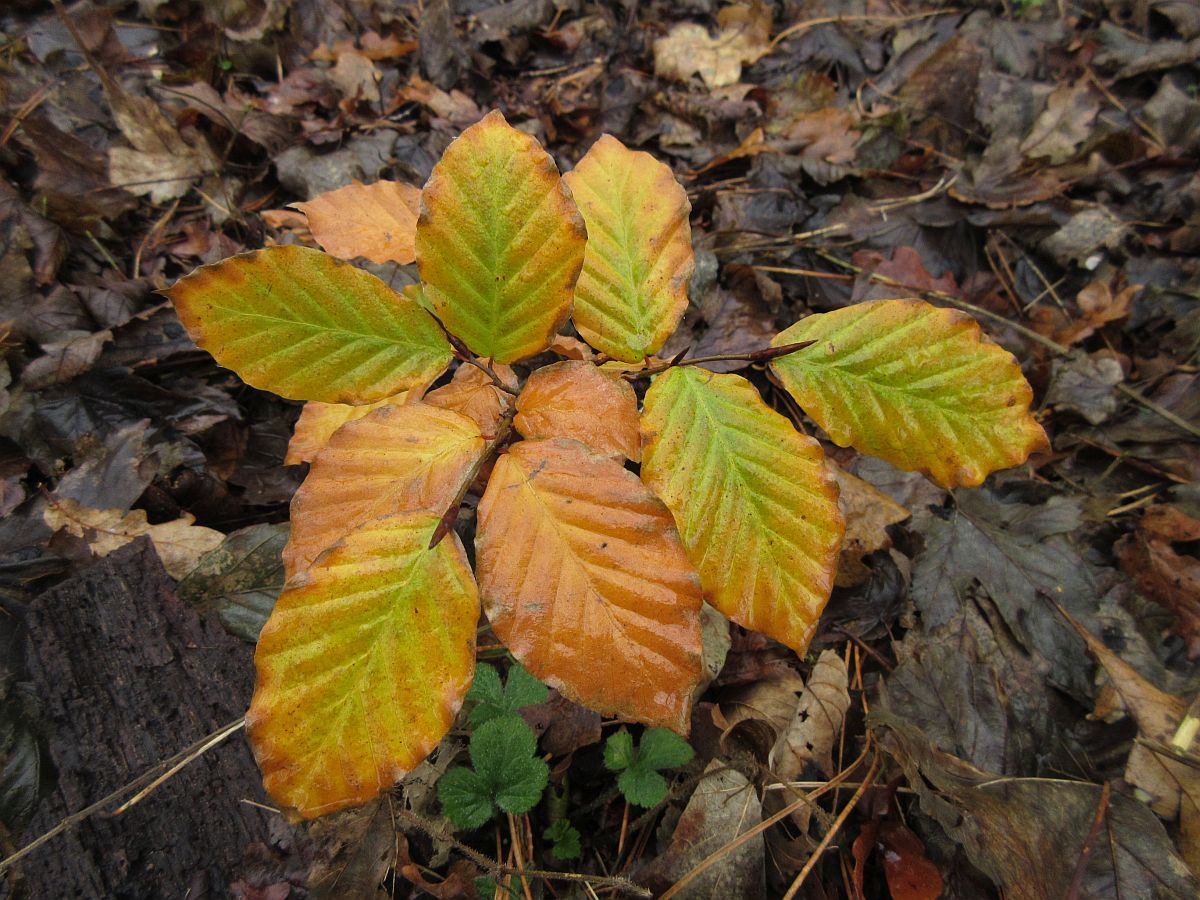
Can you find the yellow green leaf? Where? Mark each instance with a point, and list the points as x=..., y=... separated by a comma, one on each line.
x=363, y=665
x=584, y=578
x=318, y=421
x=920, y=386
x=306, y=326
x=753, y=499
x=473, y=393
x=375, y=221
x=577, y=400
x=499, y=241
x=633, y=288
x=397, y=459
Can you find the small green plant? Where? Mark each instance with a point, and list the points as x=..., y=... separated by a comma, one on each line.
x=640, y=780
x=493, y=700
x=598, y=534
x=565, y=839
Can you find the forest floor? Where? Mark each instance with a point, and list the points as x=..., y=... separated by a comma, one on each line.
x=998, y=699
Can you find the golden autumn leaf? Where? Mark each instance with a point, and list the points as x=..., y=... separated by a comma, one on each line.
x=397, y=459
x=375, y=221
x=363, y=665
x=585, y=580
x=179, y=544
x=318, y=421
x=754, y=501
x=306, y=326
x=919, y=386
x=577, y=400
x=499, y=241
x=472, y=393
x=633, y=288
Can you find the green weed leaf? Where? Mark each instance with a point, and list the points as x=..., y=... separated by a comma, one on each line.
x=506, y=774
x=566, y=839
x=639, y=781
x=494, y=701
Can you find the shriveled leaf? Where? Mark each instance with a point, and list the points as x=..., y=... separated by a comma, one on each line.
x=1026, y=834
x=919, y=386
x=375, y=221
x=397, y=459
x=753, y=498
x=363, y=665
x=473, y=393
x=578, y=562
x=1021, y=555
x=689, y=49
x=318, y=421
x=180, y=543
x=814, y=729
x=306, y=326
x=633, y=288
x=577, y=400
x=499, y=241
x=240, y=579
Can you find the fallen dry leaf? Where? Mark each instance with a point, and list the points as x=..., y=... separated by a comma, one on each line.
x=180, y=543
x=1163, y=574
x=689, y=49
x=867, y=511
x=163, y=160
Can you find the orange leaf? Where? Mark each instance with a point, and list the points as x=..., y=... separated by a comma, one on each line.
x=318, y=421
x=472, y=393
x=375, y=221
x=499, y=242
x=363, y=665
x=398, y=458
x=577, y=400
x=584, y=578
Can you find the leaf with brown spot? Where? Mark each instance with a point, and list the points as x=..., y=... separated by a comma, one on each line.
x=375, y=221
x=579, y=563
x=472, y=392
x=577, y=400
x=318, y=422
x=397, y=459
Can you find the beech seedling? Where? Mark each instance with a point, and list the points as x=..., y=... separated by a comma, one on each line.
x=590, y=569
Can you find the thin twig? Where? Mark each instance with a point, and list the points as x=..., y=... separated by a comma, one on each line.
x=764, y=355
x=801, y=27
x=179, y=766
x=837, y=825
x=149, y=775
x=503, y=427
x=498, y=868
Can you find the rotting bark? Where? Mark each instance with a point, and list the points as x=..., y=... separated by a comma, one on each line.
x=127, y=676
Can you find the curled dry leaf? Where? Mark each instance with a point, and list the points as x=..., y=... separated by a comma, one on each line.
x=951, y=404
x=499, y=241
x=180, y=543
x=318, y=422
x=817, y=721
x=336, y=333
x=633, y=287
x=755, y=503
x=377, y=221
x=578, y=562
x=1163, y=573
x=363, y=665
x=398, y=458
x=472, y=393
x=577, y=400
